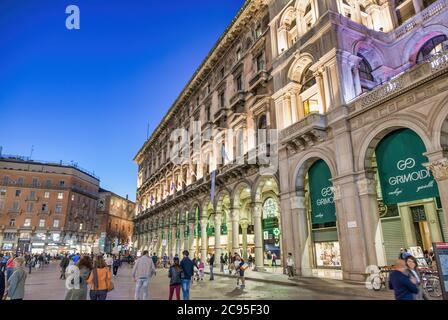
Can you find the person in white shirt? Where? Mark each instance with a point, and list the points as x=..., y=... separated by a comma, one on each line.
x=290, y=265
x=109, y=262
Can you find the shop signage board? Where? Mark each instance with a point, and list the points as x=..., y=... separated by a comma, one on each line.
x=441, y=255
x=402, y=175
x=322, y=193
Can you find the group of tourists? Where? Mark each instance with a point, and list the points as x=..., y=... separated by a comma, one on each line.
x=12, y=277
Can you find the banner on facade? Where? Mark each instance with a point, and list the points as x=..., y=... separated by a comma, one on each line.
x=402, y=175
x=321, y=193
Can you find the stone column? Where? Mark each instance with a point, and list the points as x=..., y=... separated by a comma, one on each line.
x=244, y=226
x=173, y=239
x=287, y=111
x=235, y=220
x=294, y=115
x=181, y=239
x=218, y=220
x=204, y=240
x=166, y=230
x=418, y=5
x=258, y=234
x=371, y=220
x=439, y=170
x=357, y=12
x=321, y=91
x=159, y=243
x=229, y=235
x=191, y=237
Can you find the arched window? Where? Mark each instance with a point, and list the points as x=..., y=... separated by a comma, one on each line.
x=262, y=122
x=431, y=47
x=365, y=70
x=309, y=94
x=308, y=80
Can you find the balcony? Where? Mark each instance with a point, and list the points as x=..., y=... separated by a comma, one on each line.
x=32, y=198
x=238, y=101
x=420, y=18
x=258, y=81
x=221, y=118
x=436, y=65
x=14, y=211
x=305, y=133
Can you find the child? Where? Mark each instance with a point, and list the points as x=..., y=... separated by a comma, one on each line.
x=201, y=268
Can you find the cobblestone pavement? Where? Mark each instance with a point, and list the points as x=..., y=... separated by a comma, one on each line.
x=45, y=285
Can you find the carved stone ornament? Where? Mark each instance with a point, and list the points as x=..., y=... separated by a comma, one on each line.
x=439, y=169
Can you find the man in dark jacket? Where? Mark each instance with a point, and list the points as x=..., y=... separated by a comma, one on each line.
x=64, y=264
x=188, y=269
x=211, y=262
x=404, y=287
x=2, y=284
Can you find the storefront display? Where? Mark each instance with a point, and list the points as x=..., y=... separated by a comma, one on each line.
x=327, y=254
x=271, y=227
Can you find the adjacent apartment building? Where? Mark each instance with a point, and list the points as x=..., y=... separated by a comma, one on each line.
x=46, y=206
x=115, y=216
x=354, y=165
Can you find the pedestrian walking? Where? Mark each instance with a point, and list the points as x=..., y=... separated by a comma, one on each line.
x=29, y=262
x=10, y=267
x=115, y=265
x=16, y=283
x=187, y=269
x=201, y=268
x=3, y=262
x=290, y=265
x=222, y=262
x=100, y=280
x=142, y=272
x=240, y=268
x=174, y=274
x=2, y=284
x=154, y=259
x=404, y=287
x=164, y=260
x=412, y=272
x=64, y=264
x=78, y=282
x=211, y=263
x=274, y=259
x=109, y=262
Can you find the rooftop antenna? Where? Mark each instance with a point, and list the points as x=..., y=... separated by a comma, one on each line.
x=32, y=150
x=1, y=149
x=147, y=132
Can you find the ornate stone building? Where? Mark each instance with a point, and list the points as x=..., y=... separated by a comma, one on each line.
x=357, y=92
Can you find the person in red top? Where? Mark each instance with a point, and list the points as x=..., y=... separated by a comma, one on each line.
x=10, y=267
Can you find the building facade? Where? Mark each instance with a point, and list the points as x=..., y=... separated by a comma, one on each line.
x=115, y=216
x=46, y=206
x=356, y=92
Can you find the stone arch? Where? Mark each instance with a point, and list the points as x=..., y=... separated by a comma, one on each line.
x=439, y=124
x=413, y=45
x=260, y=183
x=367, y=147
x=222, y=194
x=370, y=51
x=240, y=186
x=299, y=66
x=288, y=16
x=306, y=162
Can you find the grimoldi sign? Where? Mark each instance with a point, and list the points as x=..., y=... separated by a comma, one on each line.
x=321, y=193
x=400, y=167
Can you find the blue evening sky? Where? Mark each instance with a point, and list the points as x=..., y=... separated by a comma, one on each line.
x=88, y=95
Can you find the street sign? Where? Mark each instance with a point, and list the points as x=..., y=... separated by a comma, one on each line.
x=276, y=231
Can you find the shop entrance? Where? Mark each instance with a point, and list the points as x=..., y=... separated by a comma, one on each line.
x=421, y=229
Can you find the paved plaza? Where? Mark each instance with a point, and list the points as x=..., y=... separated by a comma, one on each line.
x=45, y=285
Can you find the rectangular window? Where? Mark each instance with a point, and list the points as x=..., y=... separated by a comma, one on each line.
x=2, y=205
x=197, y=101
x=62, y=183
x=35, y=182
x=2, y=192
x=80, y=226
x=15, y=205
x=29, y=207
x=239, y=83
x=18, y=192
x=48, y=183
x=58, y=208
x=32, y=195
x=222, y=100
x=222, y=72
x=46, y=195
x=208, y=88
x=6, y=180
x=20, y=181
x=260, y=62
x=56, y=223
x=12, y=222
x=73, y=197
x=42, y=223
x=27, y=223
x=44, y=207
x=207, y=113
x=238, y=54
x=258, y=31
x=61, y=195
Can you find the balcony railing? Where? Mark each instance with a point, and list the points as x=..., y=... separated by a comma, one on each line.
x=435, y=64
x=421, y=17
x=305, y=132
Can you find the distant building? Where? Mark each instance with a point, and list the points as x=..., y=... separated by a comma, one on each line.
x=114, y=216
x=46, y=206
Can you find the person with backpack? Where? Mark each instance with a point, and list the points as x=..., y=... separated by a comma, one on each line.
x=16, y=283
x=64, y=264
x=100, y=280
x=175, y=275
x=115, y=265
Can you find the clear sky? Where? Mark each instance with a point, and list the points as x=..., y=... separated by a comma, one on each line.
x=88, y=95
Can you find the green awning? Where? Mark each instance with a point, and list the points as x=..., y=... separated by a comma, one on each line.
x=323, y=209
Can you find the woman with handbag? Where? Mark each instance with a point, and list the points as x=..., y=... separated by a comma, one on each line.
x=100, y=280
x=175, y=274
x=79, y=281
